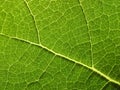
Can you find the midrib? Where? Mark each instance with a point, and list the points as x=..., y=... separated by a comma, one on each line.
x=67, y=58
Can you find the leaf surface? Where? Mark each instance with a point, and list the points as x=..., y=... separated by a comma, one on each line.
x=59, y=45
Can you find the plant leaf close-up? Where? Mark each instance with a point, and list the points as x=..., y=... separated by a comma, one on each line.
x=59, y=44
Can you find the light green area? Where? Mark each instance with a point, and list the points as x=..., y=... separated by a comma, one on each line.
x=59, y=45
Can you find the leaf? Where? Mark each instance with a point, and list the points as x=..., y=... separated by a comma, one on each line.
x=59, y=45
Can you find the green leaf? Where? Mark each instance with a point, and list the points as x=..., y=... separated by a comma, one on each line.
x=59, y=45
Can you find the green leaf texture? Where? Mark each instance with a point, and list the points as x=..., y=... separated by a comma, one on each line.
x=59, y=44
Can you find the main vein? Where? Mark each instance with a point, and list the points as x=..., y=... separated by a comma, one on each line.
x=67, y=58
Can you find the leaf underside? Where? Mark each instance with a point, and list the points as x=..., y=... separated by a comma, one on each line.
x=59, y=45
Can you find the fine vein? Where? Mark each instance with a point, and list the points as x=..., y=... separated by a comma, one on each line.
x=67, y=58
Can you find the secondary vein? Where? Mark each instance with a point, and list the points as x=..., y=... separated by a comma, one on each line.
x=38, y=36
x=88, y=31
